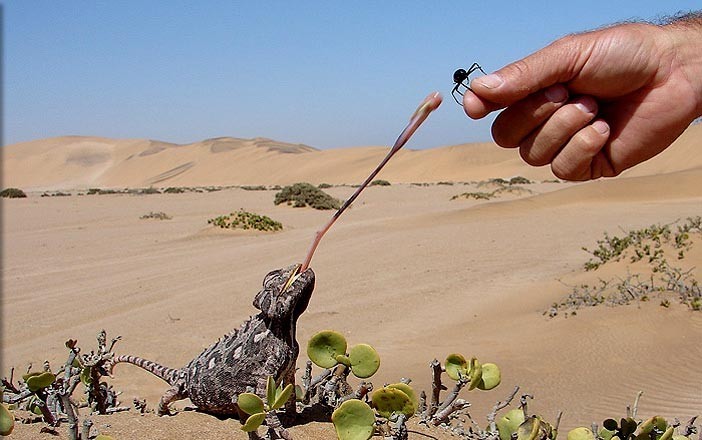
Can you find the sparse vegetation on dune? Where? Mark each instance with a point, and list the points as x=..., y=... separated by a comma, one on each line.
x=305, y=194
x=12, y=193
x=657, y=247
x=507, y=188
x=156, y=215
x=246, y=220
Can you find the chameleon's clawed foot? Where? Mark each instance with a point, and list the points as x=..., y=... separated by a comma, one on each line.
x=279, y=433
x=165, y=412
x=275, y=427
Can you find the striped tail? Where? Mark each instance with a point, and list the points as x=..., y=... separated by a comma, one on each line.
x=168, y=374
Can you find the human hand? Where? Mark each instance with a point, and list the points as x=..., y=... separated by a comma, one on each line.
x=597, y=103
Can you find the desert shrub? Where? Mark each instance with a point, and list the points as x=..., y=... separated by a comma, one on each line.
x=254, y=188
x=149, y=190
x=173, y=190
x=306, y=194
x=519, y=180
x=12, y=193
x=380, y=182
x=55, y=194
x=156, y=215
x=474, y=195
x=655, y=246
x=100, y=191
x=645, y=243
x=324, y=185
x=448, y=183
x=246, y=220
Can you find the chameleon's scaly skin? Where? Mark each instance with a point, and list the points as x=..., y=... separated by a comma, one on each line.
x=263, y=346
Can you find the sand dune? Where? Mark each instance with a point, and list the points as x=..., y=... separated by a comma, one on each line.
x=80, y=162
x=407, y=269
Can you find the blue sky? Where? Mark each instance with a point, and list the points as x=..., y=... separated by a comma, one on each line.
x=327, y=74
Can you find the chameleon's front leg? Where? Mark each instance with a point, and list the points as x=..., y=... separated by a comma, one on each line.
x=275, y=427
x=291, y=404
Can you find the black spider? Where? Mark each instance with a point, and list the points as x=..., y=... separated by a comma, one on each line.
x=461, y=75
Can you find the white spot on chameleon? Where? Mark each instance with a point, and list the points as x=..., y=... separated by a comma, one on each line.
x=237, y=353
x=261, y=336
x=211, y=363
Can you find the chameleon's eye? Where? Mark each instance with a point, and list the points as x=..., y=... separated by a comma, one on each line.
x=271, y=279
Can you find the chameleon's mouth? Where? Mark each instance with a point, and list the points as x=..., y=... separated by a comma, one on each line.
x=294, y=275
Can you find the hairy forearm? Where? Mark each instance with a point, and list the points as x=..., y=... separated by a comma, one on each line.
x=686, y=36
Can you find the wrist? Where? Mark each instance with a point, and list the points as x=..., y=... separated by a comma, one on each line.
x=686, y=37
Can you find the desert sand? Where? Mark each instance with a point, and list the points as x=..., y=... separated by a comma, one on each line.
x=407, y=270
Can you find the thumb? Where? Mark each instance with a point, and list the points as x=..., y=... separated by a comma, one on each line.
x=556, y=63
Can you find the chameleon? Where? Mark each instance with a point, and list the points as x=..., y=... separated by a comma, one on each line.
x=264, y=345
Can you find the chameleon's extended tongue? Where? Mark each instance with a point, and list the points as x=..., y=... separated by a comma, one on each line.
x=427, y=106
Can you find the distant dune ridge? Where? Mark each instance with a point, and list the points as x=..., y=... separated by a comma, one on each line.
x=70, y=162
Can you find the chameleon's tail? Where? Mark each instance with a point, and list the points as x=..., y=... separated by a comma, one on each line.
x=168, y=374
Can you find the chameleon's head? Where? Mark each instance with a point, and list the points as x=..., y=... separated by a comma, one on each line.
x=286, y=292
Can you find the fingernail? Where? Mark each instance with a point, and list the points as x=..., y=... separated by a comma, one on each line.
x=491, y=81
x=587, y=105
x=556, y=93
x=600, y=126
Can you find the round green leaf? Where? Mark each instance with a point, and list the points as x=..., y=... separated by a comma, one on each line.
x=43, y=380
x=668, y=434
x=509, y=423
x=253, y=422
x=250, y=403
x=581, y=434
x=410, y=393
x=299, y=393
x=606, y=434
x=325, y=346
x=282, y=396
x=456, y=366
x=365, y=361
x=270, y=391
x=476, y=373
x=388, y=401
x=490, y=377
x=534, y=428
x=7, y=420
x=353, y=420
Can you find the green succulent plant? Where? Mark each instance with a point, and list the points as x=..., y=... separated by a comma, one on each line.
x=37, y=381
x=251, y=404
x=7, y=418
x=482, y=376
x=390, y=400
x=509, y=423
x=324, y=347
x=354, y=420
x=535, y=428
x=327, y=349
x=623, y=431
x=581, y=434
